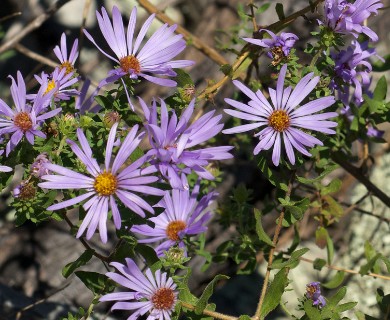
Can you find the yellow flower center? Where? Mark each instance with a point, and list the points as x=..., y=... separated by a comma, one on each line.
x=174, y=228
x=163, y=299
x=23, y=121
x=279, y=120
x=50, y=86
x=68, y=66
x=105, y=184
x=130, y=62
x=311, y=290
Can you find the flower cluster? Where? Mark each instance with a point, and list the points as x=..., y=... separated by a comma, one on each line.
x=139, y=166
x=348, y=18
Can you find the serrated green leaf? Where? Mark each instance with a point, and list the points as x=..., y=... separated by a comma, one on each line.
x=274, y=292
x=81, y=261
x=263, y=236
x=208, y=291
x=184, y=292
x=336, y=281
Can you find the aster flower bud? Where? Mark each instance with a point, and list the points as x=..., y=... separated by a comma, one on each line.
x=110, y=118
x=24, y=191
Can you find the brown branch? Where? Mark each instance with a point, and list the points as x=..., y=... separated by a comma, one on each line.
x=347, y=270
x=10, y=16
x=192, y=39
x=215, y=315
x=339, y=158
x=272, y=251
x=35, y=24
x=245, y=51
x=35, y=56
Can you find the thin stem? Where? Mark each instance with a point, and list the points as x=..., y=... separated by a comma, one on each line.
x=329, y=266
x=255, y=26
x=215, y=315
x=356, y=172
x=35, y=24
x=272, y=251
x=192, y=39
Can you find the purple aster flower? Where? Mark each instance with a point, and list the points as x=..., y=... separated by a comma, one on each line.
x=352, y=68
x=182, y=216
x=62, y=54
x=24, y=120
x=154, y=293
x=38, y=168
x=171, y=138
x=105, y=184
x=313, y=292
x=374, y=132
x=348, y=18
x=136, y=61
x=58, y=82
x=280, y=46
x=284, y=117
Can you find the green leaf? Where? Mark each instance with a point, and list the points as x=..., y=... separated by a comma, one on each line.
x=324, y=173
x=274, y=292
x=332, y=187
x=280, y=11
x=81, y=261
x=259, y=229
x=334, y=300
x=227, y=70
x=184, y=292
x=208, y=291
x=329, y=249
x=369, y=265
x=96, y=282
x=272, y=176
x=345, y=306
x=311, y=311
x=292, y=262
x=336, y=281
x=318, y=264
x=321, y=237
x=183, y=78
x=380, y=89
x=263, y=8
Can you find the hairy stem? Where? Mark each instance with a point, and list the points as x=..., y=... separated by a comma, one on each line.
x=272, y=251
